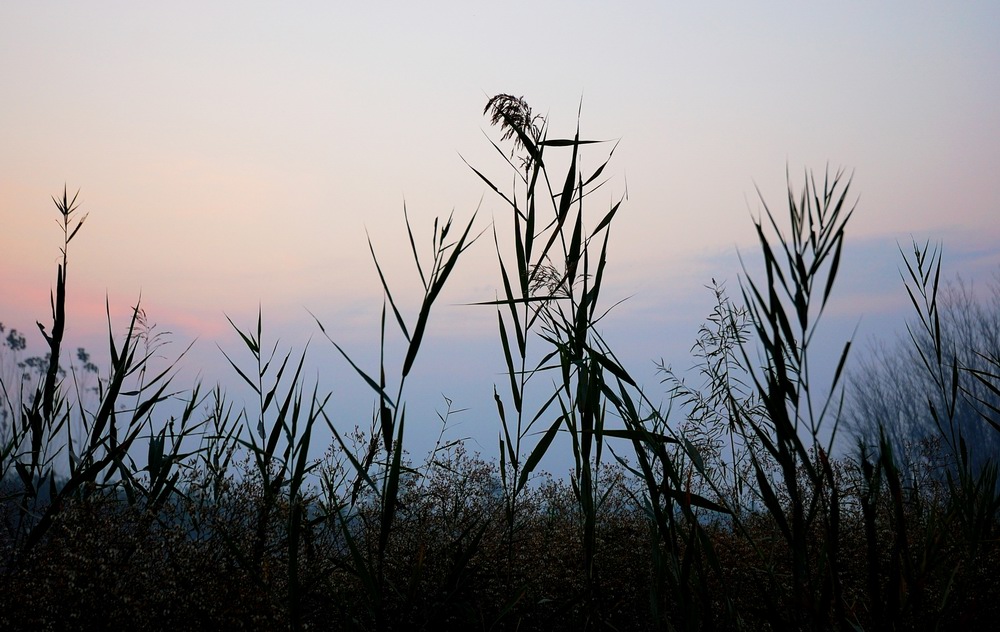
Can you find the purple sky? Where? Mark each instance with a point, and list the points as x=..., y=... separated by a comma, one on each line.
x=234, y=155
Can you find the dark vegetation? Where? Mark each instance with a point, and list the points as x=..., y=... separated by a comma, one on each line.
x=729, y=511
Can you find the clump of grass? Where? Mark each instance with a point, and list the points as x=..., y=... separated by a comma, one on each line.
x=98, y=456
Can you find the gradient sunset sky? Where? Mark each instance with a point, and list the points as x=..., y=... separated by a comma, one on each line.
x=232, y=155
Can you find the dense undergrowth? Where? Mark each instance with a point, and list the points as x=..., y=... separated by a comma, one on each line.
x=728, y=511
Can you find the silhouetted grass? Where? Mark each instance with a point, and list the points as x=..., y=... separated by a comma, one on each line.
x=728, y=510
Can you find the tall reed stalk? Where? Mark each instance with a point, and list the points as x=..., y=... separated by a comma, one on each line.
x=285, y=404
x=551, y=290
x=785, y=311
x=383, y=476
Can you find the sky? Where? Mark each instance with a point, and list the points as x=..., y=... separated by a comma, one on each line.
x=236, y=156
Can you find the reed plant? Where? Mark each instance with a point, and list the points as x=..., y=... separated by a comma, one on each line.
x=928, y=531
x=286, y=405
x=785, y=311
x=381, y=469
x=97, y=458
x=551, y=290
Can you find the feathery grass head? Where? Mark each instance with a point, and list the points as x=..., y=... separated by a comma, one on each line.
x=514, y=116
